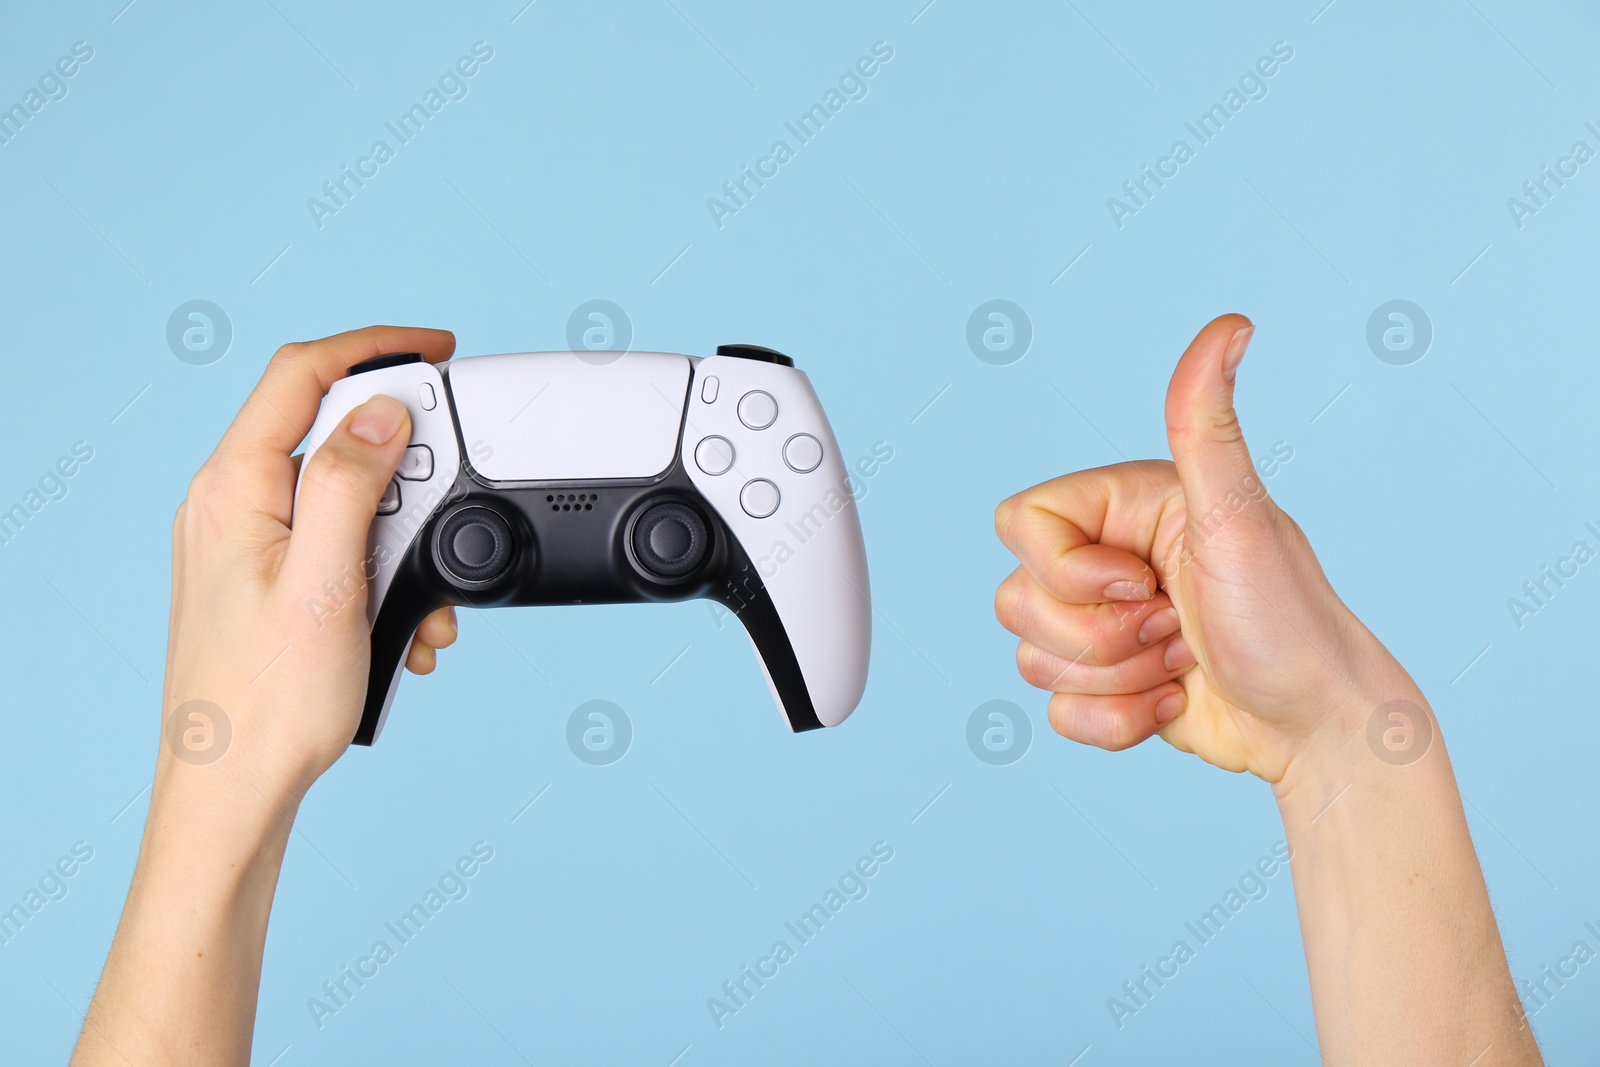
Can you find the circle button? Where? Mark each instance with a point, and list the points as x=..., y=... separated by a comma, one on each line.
x=758, y=410
x=759, y=498
x=714, y=455
x=803, y=453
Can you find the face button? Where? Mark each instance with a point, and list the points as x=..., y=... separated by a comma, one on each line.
x=708, y=389
x=755, y=352
x=714, y=455
x=758, y=410
x=759, y=498
x=803, y=453
x=388, y=359
x=389, y=503
x=670, y=540
x=475, y=545
x=417, y=464
x=426, y=397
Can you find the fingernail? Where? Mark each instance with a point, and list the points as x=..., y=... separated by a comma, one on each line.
x=1163, y=623
x=1128, y=591
x=378, y=419
x=455, y=624
x=1178, y=655
x=1170, y=707
x=1236, y=346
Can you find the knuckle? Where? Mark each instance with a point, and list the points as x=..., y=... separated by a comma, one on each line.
x=1224, y=426
x=205, y=483
x=1011, y=605
x=211, y=501
x=1060, y=714
x=1120, y=734
x=1025, y=660
x=1039, y=668
x=1091, y=722
x=1005, y=517
x=292, y=352
x=331, y=472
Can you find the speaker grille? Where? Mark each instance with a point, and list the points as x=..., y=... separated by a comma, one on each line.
x=571, y=501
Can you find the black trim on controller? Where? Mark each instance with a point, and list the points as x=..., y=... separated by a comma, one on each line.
x=388, y=359
x=574, y=544
x=757, y=352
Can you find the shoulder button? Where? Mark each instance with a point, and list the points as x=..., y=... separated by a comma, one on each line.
x=388, y=359
x=756, y=352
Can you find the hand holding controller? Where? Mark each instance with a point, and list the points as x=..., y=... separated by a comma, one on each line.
x=562, y=478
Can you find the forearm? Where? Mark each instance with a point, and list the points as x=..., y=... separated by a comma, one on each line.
x=181, y=979
x=1405, y=958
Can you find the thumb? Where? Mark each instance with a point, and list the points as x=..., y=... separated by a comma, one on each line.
x=341, y=486
x=1214, y=464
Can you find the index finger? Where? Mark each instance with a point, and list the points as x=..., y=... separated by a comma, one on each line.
x=280, y=410
x=1086, y=537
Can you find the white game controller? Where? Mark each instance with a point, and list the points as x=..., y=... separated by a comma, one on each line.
x=605, y=477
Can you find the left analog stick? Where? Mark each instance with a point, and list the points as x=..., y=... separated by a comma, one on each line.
x=475, y=545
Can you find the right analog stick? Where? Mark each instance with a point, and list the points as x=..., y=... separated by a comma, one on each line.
x=670, y=540
x=475, y=545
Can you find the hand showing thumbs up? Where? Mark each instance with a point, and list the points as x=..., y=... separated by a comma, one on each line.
x=1177, y=598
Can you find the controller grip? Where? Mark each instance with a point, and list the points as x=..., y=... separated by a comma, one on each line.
x=397, y=622
x=814, y=639
x=752, y=604
x=417, y=491
x=810, y=620
x=801, y=586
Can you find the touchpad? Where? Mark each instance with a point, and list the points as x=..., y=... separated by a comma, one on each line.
x=557, y=416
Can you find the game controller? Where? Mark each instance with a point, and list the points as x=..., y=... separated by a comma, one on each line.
x=610, y=477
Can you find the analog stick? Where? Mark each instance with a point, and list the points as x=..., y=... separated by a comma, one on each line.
x=670, y=540
x=475, y=545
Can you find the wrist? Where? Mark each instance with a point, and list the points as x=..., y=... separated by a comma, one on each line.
x=1375, y=719
x=217, y=819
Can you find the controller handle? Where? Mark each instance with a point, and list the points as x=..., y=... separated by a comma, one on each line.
x=420, y=486
x=786, y=497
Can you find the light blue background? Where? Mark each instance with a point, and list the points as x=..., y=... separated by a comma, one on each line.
x=978, y=167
